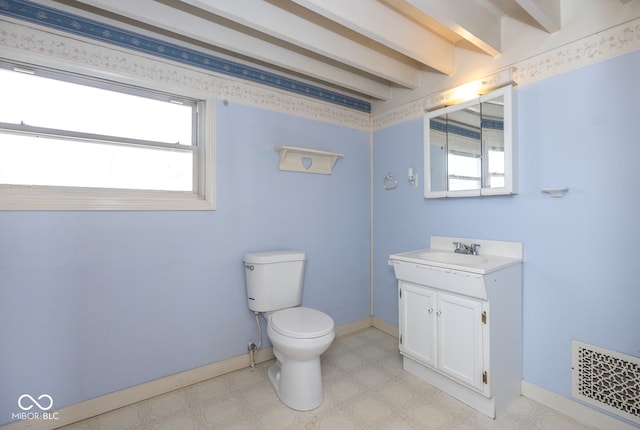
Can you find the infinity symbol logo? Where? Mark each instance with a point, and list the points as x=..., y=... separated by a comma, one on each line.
x=35, y=402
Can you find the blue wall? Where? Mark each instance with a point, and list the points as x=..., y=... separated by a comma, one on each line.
x=581, y=130
x=93, y=302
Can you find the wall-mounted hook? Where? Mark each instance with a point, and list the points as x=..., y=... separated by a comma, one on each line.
x=412, y=177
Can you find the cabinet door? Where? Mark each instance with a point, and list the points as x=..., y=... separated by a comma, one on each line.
x=417, y=323
x=460, y=342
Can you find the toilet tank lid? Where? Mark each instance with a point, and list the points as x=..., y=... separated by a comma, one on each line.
x=267, y=257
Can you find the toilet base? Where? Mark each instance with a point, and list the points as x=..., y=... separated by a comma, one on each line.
x=298, y=384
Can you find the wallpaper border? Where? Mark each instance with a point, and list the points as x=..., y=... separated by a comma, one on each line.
x=22, y=42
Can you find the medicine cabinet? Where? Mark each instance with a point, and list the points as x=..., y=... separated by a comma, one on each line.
x=469, y=148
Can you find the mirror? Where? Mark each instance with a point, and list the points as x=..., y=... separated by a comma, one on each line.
x=493, y=142
x=438, y=153
x=469, y=148
x=464, y=149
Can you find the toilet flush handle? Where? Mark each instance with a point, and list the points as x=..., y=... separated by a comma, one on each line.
x=249, y=266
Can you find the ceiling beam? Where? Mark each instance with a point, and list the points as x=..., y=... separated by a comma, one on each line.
x=276, y=22
x=469, y=20
x=209, y=32
x=377, y=22
x=546, y=13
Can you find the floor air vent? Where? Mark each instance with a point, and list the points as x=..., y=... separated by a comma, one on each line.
x=606, y=379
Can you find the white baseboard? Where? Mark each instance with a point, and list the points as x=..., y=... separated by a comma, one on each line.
x=384, y=326
x=109, y=402
x=352, y=327
x=573, y=409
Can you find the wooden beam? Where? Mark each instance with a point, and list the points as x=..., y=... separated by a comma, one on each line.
x=209, y=32
x=547, y=13
x=383, y=25
x=276, y=22
x=469, y=20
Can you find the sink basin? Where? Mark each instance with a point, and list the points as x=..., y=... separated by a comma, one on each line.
x=450, y=257
x=480, y=264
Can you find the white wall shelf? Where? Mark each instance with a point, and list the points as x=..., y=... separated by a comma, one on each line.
x=306, y=160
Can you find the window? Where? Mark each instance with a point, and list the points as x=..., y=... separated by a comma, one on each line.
x=464, y=171
x=495, y=167
x=75, y=142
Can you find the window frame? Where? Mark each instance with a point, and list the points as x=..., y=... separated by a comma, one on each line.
x=27, y=197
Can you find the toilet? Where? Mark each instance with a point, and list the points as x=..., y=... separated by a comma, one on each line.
x=299, y=335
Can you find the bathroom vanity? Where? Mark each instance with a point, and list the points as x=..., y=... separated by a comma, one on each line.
x=461, y=319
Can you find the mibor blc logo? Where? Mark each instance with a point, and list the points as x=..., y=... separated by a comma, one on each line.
x=35, y=408
x=26, y=402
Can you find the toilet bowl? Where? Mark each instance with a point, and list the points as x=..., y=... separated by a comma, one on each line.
x=299, y=336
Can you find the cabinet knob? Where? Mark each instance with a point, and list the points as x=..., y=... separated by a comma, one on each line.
x=439, y=313
x=430, y=310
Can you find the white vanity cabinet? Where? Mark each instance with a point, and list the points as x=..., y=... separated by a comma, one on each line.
x=460, y=321
x=418, y=330
x=444, y=331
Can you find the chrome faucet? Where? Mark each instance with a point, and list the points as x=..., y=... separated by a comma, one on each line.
x=463, y=248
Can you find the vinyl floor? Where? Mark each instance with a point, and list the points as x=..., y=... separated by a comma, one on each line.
x=365, y=388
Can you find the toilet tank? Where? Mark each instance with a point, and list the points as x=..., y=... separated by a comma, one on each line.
x=274, y=279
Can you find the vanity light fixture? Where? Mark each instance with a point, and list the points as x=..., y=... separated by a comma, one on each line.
x=469, y=90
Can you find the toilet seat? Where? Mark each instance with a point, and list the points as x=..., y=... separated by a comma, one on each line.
x=301, y=323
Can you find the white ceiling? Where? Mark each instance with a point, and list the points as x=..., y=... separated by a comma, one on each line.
x=366, y=48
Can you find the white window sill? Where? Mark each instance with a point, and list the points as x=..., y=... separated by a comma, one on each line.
x=55, y=198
